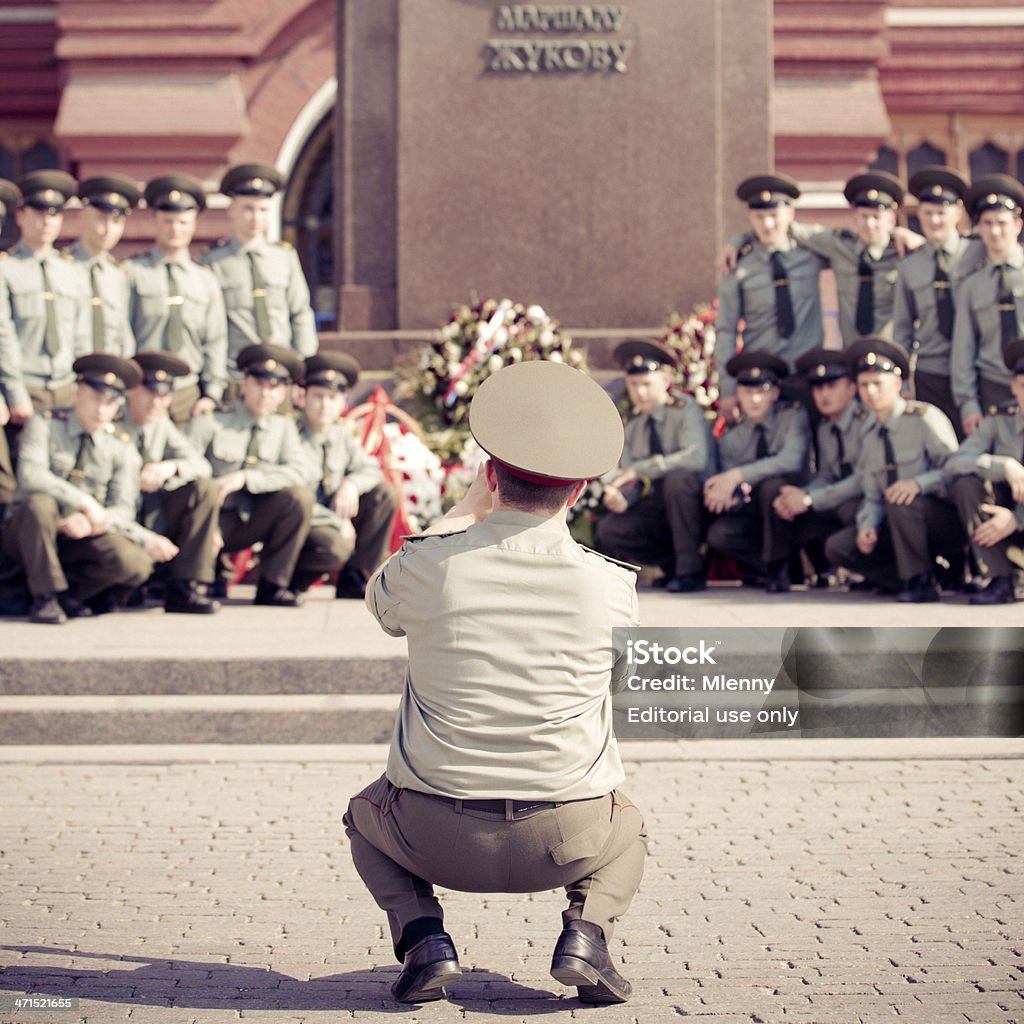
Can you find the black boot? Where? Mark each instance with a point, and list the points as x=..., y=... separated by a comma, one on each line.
x=999, y=591
x=581, y=958
x=182, y=596
x=919, y=590
x=427, y=967
x=279, y=597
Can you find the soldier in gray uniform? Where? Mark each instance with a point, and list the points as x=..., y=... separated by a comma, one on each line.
x=262, y=473
x=928, y=284
x=503, y=770
x=10, y=196
x=179, y=503
x=78, y=482
x=902, y=462
x=106, y=203
x=176, y=304
x=774, y=287
x=44, y=304
x=766, y=449
x=987, y=476
x=829, y=501
x=265, y=291
x=355, y=509
x=654, y=499
x=990, y=313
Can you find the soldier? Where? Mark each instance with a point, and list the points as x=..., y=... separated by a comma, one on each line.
x=176, y=304
x=78, y=482
x=766, y=449
x=106, y=203
x=774, y=288
x=987, y=474
x=44, y=304
x=654, y=499
x=351, y=526
x=990, y=313
x=927, y=286
x=10, y=196
x=829, y=501
x=261, y=470
x=904, y=451
x=178, y=509
x=265, y=291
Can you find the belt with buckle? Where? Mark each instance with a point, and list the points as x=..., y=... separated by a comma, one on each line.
x=505, y=807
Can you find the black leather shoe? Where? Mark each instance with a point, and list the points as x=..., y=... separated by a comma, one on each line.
x=219, y=588
x=919, y=590
x=182, y=596
x=46, y=609
x=73, y=608
x=581, y=958
x=430, y=965
x=777, y=579
x=351, y=584
x=999, y=591
x=689, y=584
x=278, y=597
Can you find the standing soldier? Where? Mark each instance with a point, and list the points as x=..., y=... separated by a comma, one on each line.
x=78, y=481
x=928, y=284
x=176, y=304
x=774, y=288
x=988, y=486
x=902, y=462
x=261, y=471
x=106, y=203
x=654, y=499
x=265, y=292
x=179, y=502
x=766, y=449
x=355, y=506
x=10, y=196
x=44, y=304
x=991, y=310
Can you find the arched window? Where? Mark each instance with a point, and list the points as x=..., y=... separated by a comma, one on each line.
x=925, y=155
x=988, y=159
x=886, y=160
x=41, y=156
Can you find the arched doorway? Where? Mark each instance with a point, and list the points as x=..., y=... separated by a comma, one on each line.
x=308, y=218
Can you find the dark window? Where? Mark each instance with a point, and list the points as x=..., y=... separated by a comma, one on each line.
x=988, y=159
x=925, y=155
x=886, y=160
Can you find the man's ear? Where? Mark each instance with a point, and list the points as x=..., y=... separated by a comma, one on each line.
x=490, y=476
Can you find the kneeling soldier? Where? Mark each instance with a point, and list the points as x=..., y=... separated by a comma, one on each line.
x=654, y=499
x=988, y=486
x=178, y=506
x=261, y=470
x=759, y=455
x=78, y=481
x=355, y=505
x=902, y=458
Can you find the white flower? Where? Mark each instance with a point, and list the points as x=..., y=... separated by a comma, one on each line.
x=547, y=337
x=536, y=314
x=500, y=337
x=555, y=357
x=515, y=354
x=450, y=331
x=495, y=363
x=461, y=387
x=452, y=368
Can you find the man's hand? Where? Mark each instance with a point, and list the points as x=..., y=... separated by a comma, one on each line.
x=204, y=405
x=719, y=490
x=614, y=500
x=1000, y=525
x=729, y=408
x=789, y=503
x=76, y=526
x=229, y=483
x=97, y=516
x=971, y=423
x=906, y=240
x=726, y=262
x=902, y=492
x=345, y=502
x=155, y=474
x=867, y=540
x=1015, y=478
x=5, y=414
x=21, y=413
x=159, y=548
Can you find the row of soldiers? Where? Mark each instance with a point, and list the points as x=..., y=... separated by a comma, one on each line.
x=113, y=498
x=882, y=487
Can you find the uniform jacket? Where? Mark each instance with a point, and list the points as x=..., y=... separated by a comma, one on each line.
x=829, y=488
x=685, y=438
x=788, y=434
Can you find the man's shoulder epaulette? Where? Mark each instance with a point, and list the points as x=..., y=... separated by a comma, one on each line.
x=915, y=408
x=745, y=250
x=1008, y=408
x=60, y=413
x=847, y=235
x=860, y=413
x=117, y=431
x=608, y=558
x=282, y=244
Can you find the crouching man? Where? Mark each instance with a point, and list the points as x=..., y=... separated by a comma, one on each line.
x=503, y=773
x=78, y=481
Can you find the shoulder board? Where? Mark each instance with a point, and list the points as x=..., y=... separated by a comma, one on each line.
x=915, y=408
x=608, y=558
x=61, y=413
x=745, y=250
x=115, y=431
x=205, y=266
x=1010, y=408
x=287, y=246
x=430, y=536
x=67, y=254
x=795, y=404
x=860, y=413
x=848, y=235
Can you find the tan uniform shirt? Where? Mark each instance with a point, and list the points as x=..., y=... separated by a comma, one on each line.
x=511, y=661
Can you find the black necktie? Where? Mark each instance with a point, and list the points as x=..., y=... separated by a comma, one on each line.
x=1007, y=307
x=77, y=476
x=325, y=470
x=844, y=467
x=99, y=327
x=891, y=474
x=252, y=453
x=653, y=438
x=943, y=295
x=784, y=321
x=865, y=296
x=761, y=451
x=52, y=336
x=175, y=333
x=259, y=299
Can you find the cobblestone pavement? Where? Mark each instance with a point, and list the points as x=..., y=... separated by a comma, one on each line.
x=842, y=891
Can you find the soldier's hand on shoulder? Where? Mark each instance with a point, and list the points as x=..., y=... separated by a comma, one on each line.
x=971, y=423
x=727, y=258
x=729, y=408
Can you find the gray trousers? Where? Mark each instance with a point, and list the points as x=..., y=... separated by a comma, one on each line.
x=971, y=492
x=405, y=842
